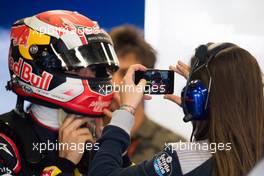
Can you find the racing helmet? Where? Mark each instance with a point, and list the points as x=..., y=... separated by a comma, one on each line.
x=44, y=51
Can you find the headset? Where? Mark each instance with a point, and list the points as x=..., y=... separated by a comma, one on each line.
x=195, y=95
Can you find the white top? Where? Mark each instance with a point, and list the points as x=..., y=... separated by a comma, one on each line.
x=192, y=154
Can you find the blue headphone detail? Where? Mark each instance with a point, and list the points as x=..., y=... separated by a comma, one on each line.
x=195, y=95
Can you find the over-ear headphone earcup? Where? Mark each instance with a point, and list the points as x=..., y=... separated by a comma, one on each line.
x=194, y=100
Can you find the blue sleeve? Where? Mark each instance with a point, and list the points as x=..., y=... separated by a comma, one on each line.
x=108, y=159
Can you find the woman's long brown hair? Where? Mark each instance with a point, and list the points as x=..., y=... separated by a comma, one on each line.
x=236, y=111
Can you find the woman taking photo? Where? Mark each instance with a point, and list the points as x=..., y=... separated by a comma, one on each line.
x=223, y=99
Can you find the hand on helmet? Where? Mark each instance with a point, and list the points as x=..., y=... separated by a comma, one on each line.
x=115, y=104
x=183, y=70
x=71, y=133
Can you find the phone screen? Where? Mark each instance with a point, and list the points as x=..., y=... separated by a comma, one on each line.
x=158, y=81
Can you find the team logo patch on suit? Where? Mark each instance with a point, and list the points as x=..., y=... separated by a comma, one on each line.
x=9, y=153
x=163, y=164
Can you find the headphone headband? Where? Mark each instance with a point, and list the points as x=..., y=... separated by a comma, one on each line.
x=205, y=53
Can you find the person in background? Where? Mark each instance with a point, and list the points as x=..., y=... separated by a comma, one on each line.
x=148, y=137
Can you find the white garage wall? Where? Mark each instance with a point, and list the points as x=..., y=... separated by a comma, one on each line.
x=175, y=28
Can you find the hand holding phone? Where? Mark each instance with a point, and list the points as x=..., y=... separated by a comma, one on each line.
x=158, y=81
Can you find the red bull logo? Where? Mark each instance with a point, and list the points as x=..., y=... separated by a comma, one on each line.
x=20, y=35
x=24, y=71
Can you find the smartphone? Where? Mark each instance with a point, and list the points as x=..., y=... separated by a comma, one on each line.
x=158, y=81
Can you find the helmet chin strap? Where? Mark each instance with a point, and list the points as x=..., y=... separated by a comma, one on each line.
x=19, y=109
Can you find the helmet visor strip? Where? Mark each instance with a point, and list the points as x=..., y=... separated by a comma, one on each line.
x=97, y=53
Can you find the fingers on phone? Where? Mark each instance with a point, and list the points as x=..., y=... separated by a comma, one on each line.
x=142, y=83
x=173, y=98
x=181, y=68
x=147, y=97
x=131, y=70
x=185, y=66
x=173, y=68
x=182, y=71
